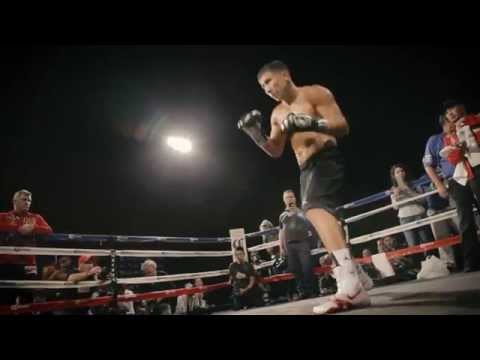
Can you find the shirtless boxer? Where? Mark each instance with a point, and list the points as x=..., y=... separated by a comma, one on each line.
x=310, y=118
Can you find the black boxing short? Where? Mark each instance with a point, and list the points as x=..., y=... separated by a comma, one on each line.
x=322, y=181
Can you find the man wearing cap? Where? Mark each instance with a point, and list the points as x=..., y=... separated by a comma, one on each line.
x=447, y=151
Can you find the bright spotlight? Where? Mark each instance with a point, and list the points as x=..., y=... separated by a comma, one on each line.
x=179, y=144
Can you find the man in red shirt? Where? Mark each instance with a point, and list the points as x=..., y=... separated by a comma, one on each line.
x=19, y=228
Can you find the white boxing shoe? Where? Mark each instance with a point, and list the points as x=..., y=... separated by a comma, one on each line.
x=351, y=292
x=342, y=302
x=367, y=282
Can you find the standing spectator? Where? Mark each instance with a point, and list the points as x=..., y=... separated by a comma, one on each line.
x=243, y=282
x=440, y=172
x=445, y=228
x=296, y=242
x=463, y=151
x=20, y=227
x=402, y=190
x=412, y=211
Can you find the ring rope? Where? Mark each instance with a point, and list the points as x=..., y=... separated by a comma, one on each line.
x=18, y=250
x=380, y=196
x=106, y=300
x=401, y=228
x=41, y=284
x=388, y=207
x=152, y=253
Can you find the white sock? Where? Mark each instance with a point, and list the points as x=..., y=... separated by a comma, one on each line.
x=343, y=256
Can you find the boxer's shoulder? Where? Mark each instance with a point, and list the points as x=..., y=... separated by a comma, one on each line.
x=315, y=91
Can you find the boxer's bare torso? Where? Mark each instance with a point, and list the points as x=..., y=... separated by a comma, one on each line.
x=317, y=102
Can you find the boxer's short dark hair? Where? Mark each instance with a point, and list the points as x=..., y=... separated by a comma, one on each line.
x=240, y=249
x=274, y=66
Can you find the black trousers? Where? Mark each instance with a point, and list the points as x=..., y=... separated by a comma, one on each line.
x=300, y=264
x=252, y=298
x=465, y=197
x=8, y=296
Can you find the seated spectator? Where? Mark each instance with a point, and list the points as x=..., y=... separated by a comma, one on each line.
x=326, y=282
x=256, y=261
x=157, y=306
x=184, y=302
x=199, y=298
x=63, y=270
x=192, y=304
x=89, y=270
x=126, y=307
x=370, y=269
x=20, y=228
x=246, y=293
x=405, y=268
x=284, y=290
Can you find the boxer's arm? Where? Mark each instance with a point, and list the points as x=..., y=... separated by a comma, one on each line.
x=275, y=144
x=251, y=124
x=325, y=104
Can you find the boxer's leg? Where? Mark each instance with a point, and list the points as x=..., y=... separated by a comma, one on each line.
x=321, y=181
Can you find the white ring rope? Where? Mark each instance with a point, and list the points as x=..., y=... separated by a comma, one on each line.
x=264, y=265
x=189, y=276
x=273, y=244
x=265, y=246
x=401, y=228
x=388, y=207
x=13, y=250
x=319, y=251
x=153, y=253
x=39, y=284
x=10, y=250
x=177, y=277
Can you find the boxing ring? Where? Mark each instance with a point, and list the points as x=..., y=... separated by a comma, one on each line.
x=457, y=293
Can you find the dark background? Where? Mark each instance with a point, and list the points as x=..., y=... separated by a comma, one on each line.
x=83, y=128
